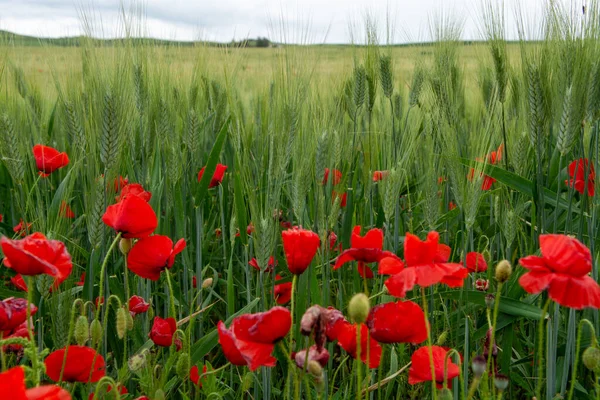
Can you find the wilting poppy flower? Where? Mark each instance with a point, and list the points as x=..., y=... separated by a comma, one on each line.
x=13, y=382
x=13, y=312
x=320, y=355
x=162, y=331
x=195, y=375
x=323, y=323
x=399, y=322
x=379, y=175
x=426, y=265
x=270, y=266
x=282, y=292
x=137, y=305
x=48, y=160
x=364, y=249
x=132, y=216
x=476, y=262
x=482, y=285
x=36, y=255
x=19, y=282
x=578, y=181
x=81, y=362
x=20, y=331
x=300, y=246
x=420, y=369
x=337, y=177
x=563, y=269
x=346, y=337
x=22, y=228
x=241, y=353
x=134, y=189
x=108, y=389
x=217, y=177
x=65, y=210
x=81, y=281
x=151, y=255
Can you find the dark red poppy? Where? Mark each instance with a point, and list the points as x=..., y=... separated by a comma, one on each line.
x=578, y=181
x=420, y=369
x=399, y=322
x=346, y=337
x=270, y=266
x=451, y=206
x=132, y=216
x=337, y=177
x=379, y=175
x=13, y=312
x=48, y=159
x=282, y=292
x=300, y=246
x=13, y=382
x=81, y=363
x=134, y=189
x=333, y=240
x=65, y=210
x=108, y=392
x=194, y=282
x=195, y=375
x=426, y=265
x=151, y=255
x=81, y=281
x=19, y=282
x=1, y=217
x=218, y=233
x=476, y=262
x=137, y=305
x=217, y=177
x=563, y=269
x=35, y=255
x=22, y=228
x=162, y=331
x=320, y=355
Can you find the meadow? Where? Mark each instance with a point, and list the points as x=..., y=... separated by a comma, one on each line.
x=303, y=222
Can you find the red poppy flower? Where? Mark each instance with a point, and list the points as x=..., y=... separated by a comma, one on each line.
x=132, y=216
x=48, y=160
x=134, y=189
x=399, y=322
x=578, y=181
x=218, y=233
x=81, y=281
x=342, y=196
x=332, y=240
x=364, y=249
x=270, y=266
x=217, y=177
x=81, y=362
x=65, y=210
x=13, y=312
x=426, y=263
x=22, y=228
x=137, y=305
x=151, y=255
x=13, y=382
x=241, y=353
x=493, y=158
x=99, y=301
x=420, y=369
x=563, y=269
x=18, y=332
x=320, y=355
x=379, y=175
x=19, y=282
x=346, y=337
x=119, y=183
x=476, y=262
x=451, y=206
x=282, y=292
x=195, y=376
x=108, y=389
x=300, y=246
x=162, y=331
x=1, y=217
x=194, y=282
x=337, y=177
x=35, y=255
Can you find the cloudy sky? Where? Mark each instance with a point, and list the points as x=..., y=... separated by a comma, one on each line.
x=312, y=21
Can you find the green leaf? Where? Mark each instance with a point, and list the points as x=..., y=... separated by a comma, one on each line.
x=211, y=164
x=507, y=305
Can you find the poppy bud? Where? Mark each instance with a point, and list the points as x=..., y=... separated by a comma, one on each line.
x=442, y=338
x=591, y=358
x=159, y=395
x=501, y=382
x=207, y=283
x=478, y=366
x=129, y=321
x=82, y=330
x=96, y=332
x=503, y=271
x=121, y=322
x=359, y=308
x=137, y=362
x=446, y=394
x=125, y=245
x=315, y=369
x=489, y=300
x=183, y=365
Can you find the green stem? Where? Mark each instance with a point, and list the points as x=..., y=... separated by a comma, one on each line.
x=541, y=331
x=493, y=328
x=171, y=293
x=2, y=358
x=34, y=350
x=103, y=271
x=429, y=344
x=292, y=299
x=358, y=364
x=577, y=349
x=380, y=373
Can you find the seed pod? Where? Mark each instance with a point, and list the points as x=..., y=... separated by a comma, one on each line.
x=478, y=366
x=82, y=330
x=121, y=322
x=125, y=245
x=501, y=382
x=207, y=283
x=489, y=300
x=96, y=332
x=591, y=358
x=503, y=271
x=446, y=394
x=359, y=308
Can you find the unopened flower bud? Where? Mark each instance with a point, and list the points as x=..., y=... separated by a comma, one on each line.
x=489, y=300
x=159, y=395
x=137, y=362
x=129, y=321
x=503, y=271
x=501, y=382
x=591, y=358
x=315, y=369
x=207, y=283
x=442, y=338
x=125, y=245
x=96, y=331
x=446, y=394
x=478, y=365
x=183, y=365
x=82, y=330
x=359, y=308
x=482, y=285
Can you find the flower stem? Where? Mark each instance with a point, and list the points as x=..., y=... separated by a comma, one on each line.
x=358, y=364
x=541, y=331
x=34, y=350
x=493, y=328
x=473, y=387
x=429, y=344
x=577, y=349
x=171, y=294
x=103, y=271
x=296, y=378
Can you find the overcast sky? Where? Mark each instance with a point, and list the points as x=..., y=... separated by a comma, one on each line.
x=312, y=21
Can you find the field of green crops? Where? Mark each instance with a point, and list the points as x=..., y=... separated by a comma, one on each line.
x=303, y=222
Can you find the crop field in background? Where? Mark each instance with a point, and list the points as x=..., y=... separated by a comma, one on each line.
x=303, y=222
